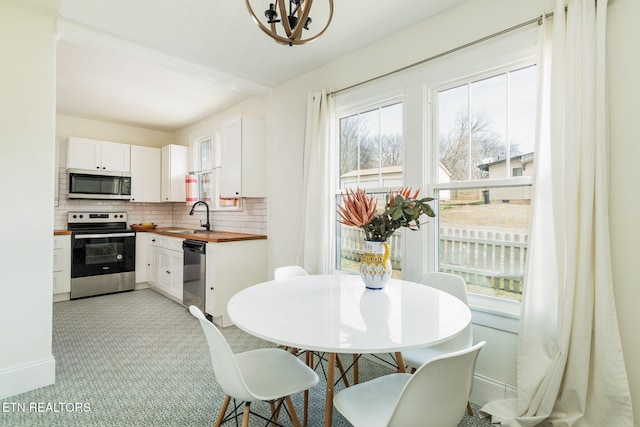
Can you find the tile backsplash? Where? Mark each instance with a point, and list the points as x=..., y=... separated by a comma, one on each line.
x=251, y=219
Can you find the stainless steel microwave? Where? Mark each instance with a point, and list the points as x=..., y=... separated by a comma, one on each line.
x=88, y=184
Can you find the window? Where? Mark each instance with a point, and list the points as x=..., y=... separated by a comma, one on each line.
x=467, y=123
x=205, y=167
x=484, y=129
x=371, y=153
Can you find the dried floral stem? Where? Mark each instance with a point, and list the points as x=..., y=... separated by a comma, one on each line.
x=402, y=209
x=359, y=208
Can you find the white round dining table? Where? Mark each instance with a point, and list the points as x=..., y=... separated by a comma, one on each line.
x=335, y=313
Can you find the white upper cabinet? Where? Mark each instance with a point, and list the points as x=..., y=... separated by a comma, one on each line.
x=242, y=165
x=91, y=154
x=174, y=169
x=145, y=174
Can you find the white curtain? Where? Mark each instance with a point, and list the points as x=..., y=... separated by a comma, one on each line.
x=315, y=234
x=571, y=369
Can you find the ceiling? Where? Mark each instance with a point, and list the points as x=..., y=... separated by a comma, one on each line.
x=164, y=64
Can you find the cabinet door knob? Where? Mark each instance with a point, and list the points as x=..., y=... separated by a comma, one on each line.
x=168, y=272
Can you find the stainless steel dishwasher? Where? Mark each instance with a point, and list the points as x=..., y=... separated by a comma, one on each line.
x=194, y=274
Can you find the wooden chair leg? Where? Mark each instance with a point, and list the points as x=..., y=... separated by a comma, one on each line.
x=401, y=366
x=469, y=409
x=223, y=410
x=275, y=410
x=305, y=415
x=292, y=411
x=356, y=373
x=341, y=369
x=245, y=416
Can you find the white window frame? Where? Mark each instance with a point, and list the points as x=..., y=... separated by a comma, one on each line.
x=346, y=109
x=414, y=87
x=195, y=138
x=498, y=313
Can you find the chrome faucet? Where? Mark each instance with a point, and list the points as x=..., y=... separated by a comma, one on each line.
x=207, y=226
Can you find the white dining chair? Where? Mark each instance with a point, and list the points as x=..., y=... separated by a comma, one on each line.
x=435, y=395
x=289, y=271
x=456, y=286
x=267, y=374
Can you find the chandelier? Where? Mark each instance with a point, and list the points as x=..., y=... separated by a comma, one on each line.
x=289, y=26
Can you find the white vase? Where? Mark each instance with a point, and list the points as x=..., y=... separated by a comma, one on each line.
x=375, y=266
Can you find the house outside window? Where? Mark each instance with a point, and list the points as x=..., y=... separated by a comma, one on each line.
x=371, y=154
x=484, y=128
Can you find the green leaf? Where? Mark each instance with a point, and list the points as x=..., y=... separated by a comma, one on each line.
x=397, y=214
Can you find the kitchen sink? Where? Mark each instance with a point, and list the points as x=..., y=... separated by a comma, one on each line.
x=189, y=231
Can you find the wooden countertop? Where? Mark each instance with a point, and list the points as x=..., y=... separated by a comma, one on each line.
x=212, y=236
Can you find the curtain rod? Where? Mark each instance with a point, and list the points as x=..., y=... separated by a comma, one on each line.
x=537, y=20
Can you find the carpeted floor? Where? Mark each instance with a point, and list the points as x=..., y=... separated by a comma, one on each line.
x=139, y=359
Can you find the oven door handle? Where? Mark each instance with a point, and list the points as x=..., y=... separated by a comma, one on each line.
x=101, y=236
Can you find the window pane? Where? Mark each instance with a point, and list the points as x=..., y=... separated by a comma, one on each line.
x=488, y=124
x=371, y=148
x=486, y=243
x=391, y=135
x=206, y=160
x=522, y=103
x=453, y=133
x=482, y=232
x=349, y=143
x=370, y=145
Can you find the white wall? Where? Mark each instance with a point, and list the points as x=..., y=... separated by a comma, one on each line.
x=27, y=141
x=67, y=126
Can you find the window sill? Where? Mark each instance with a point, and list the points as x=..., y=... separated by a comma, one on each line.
x=496, y=313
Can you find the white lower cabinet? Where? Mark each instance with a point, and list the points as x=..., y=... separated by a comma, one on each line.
x=61, y=267
x=170, y=272
x=231, y=267
x=165, y=265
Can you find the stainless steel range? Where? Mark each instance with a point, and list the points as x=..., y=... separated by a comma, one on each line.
x=102, y=253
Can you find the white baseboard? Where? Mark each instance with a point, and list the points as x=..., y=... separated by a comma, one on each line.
x=27, y=377
x=63, y=296
x=486, y=389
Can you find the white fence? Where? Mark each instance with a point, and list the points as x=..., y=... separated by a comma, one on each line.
x=488, y=258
